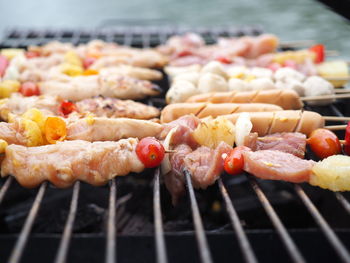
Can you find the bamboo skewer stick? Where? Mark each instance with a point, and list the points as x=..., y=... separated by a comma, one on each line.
x=339, y=91
x=336, y=127
x=325, y=97
x=297, y=43
x=334, y=118
x=332, y=53
x=337, y=78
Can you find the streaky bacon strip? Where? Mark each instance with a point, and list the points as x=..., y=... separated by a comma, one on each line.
x=65, y=162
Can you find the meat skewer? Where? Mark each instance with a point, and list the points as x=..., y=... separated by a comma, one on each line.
x=99, y=107
x=65, y=162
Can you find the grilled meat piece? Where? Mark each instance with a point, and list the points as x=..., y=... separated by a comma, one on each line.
x=108, y=129
x=112, y=108
x=65, y=162
x=83, y=87
x=288, y=142
x=277, y=165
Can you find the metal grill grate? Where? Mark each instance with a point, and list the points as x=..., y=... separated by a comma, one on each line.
x=247, y=244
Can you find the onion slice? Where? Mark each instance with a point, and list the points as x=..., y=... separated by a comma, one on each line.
x=165, y=166
x=243, y=128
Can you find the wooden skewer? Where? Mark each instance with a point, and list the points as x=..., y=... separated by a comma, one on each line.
x=332, y=53
x=170, y=151
x=342, y=91
x=334, y=118
x=337, y=78
x=297, y=43
x=325, y=97
x=335, y=127
x=342, y=141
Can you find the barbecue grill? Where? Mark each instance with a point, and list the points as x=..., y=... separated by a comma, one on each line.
x=239, y=219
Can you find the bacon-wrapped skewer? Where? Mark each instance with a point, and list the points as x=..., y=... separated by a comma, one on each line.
x=98, y=106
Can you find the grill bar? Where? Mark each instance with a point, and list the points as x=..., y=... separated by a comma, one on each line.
x=243, y=242
x=68, y=228
x=326, y=229
x=17, y=251
x=203, y=247
x=5, y=187
x=281, y=230
x=158, y=223
x=111, y=247
x=345, y=203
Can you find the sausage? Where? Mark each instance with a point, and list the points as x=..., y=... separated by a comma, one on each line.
x=287, y=99
x=283, y=121
x=201, y=110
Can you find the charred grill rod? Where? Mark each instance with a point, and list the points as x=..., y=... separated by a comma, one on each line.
x=243, y=242
x=281, y=230
x=198, y=224
x=111, y=225
x=68, y=228
x=5, y=187
x=17, y=251
x=158, y=224
x=345, y=203
x=326, y=229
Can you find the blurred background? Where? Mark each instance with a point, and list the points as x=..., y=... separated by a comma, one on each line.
x=290, y=20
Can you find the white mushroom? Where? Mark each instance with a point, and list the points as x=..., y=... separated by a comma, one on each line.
x=316, y=86
x=216, y=68
x=283, y=74
x=243, y=128
x=209, y=82
x=180, y=91
x=238, y=84
x=174, y=71
x=292, y=84
x=189, y=76
x=261, y=72
x=261, y=84
x=235, y=71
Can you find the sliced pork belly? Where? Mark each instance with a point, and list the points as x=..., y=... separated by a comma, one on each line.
x=107, y=129
x=206, y=165
x=288, y=142
x=277, y=165
x=185, y=126
x=112, y=108
x=65, y=162
x=175, y=180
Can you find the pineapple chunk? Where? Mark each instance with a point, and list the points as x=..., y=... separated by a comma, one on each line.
x=37, y=116
x=10, y=53
x=7, y=87
x=332, y=173
x=71, y=69
x=334, y=69
x=3, y=145
x=32, y=132
x=213, y=131
x=73, y=59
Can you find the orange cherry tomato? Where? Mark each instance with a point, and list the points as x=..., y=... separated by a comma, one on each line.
x=319, y=50
x=234, y=162
x=29, y=89
x=55, y=129
x=150, y=152
x=324, y=143
x=67, y=107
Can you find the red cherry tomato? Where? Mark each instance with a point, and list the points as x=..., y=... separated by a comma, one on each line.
x=324, y=143
x=319, y=50
x=347, y=139
x=67, y=107
x=32, y=54
x=224, y=60
x=29, y=89
x=150, y=152
x=290, y=64
x=274, y=66
x=234, y=161
x=3, y=65
x=184, y=53
x=88, y=61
